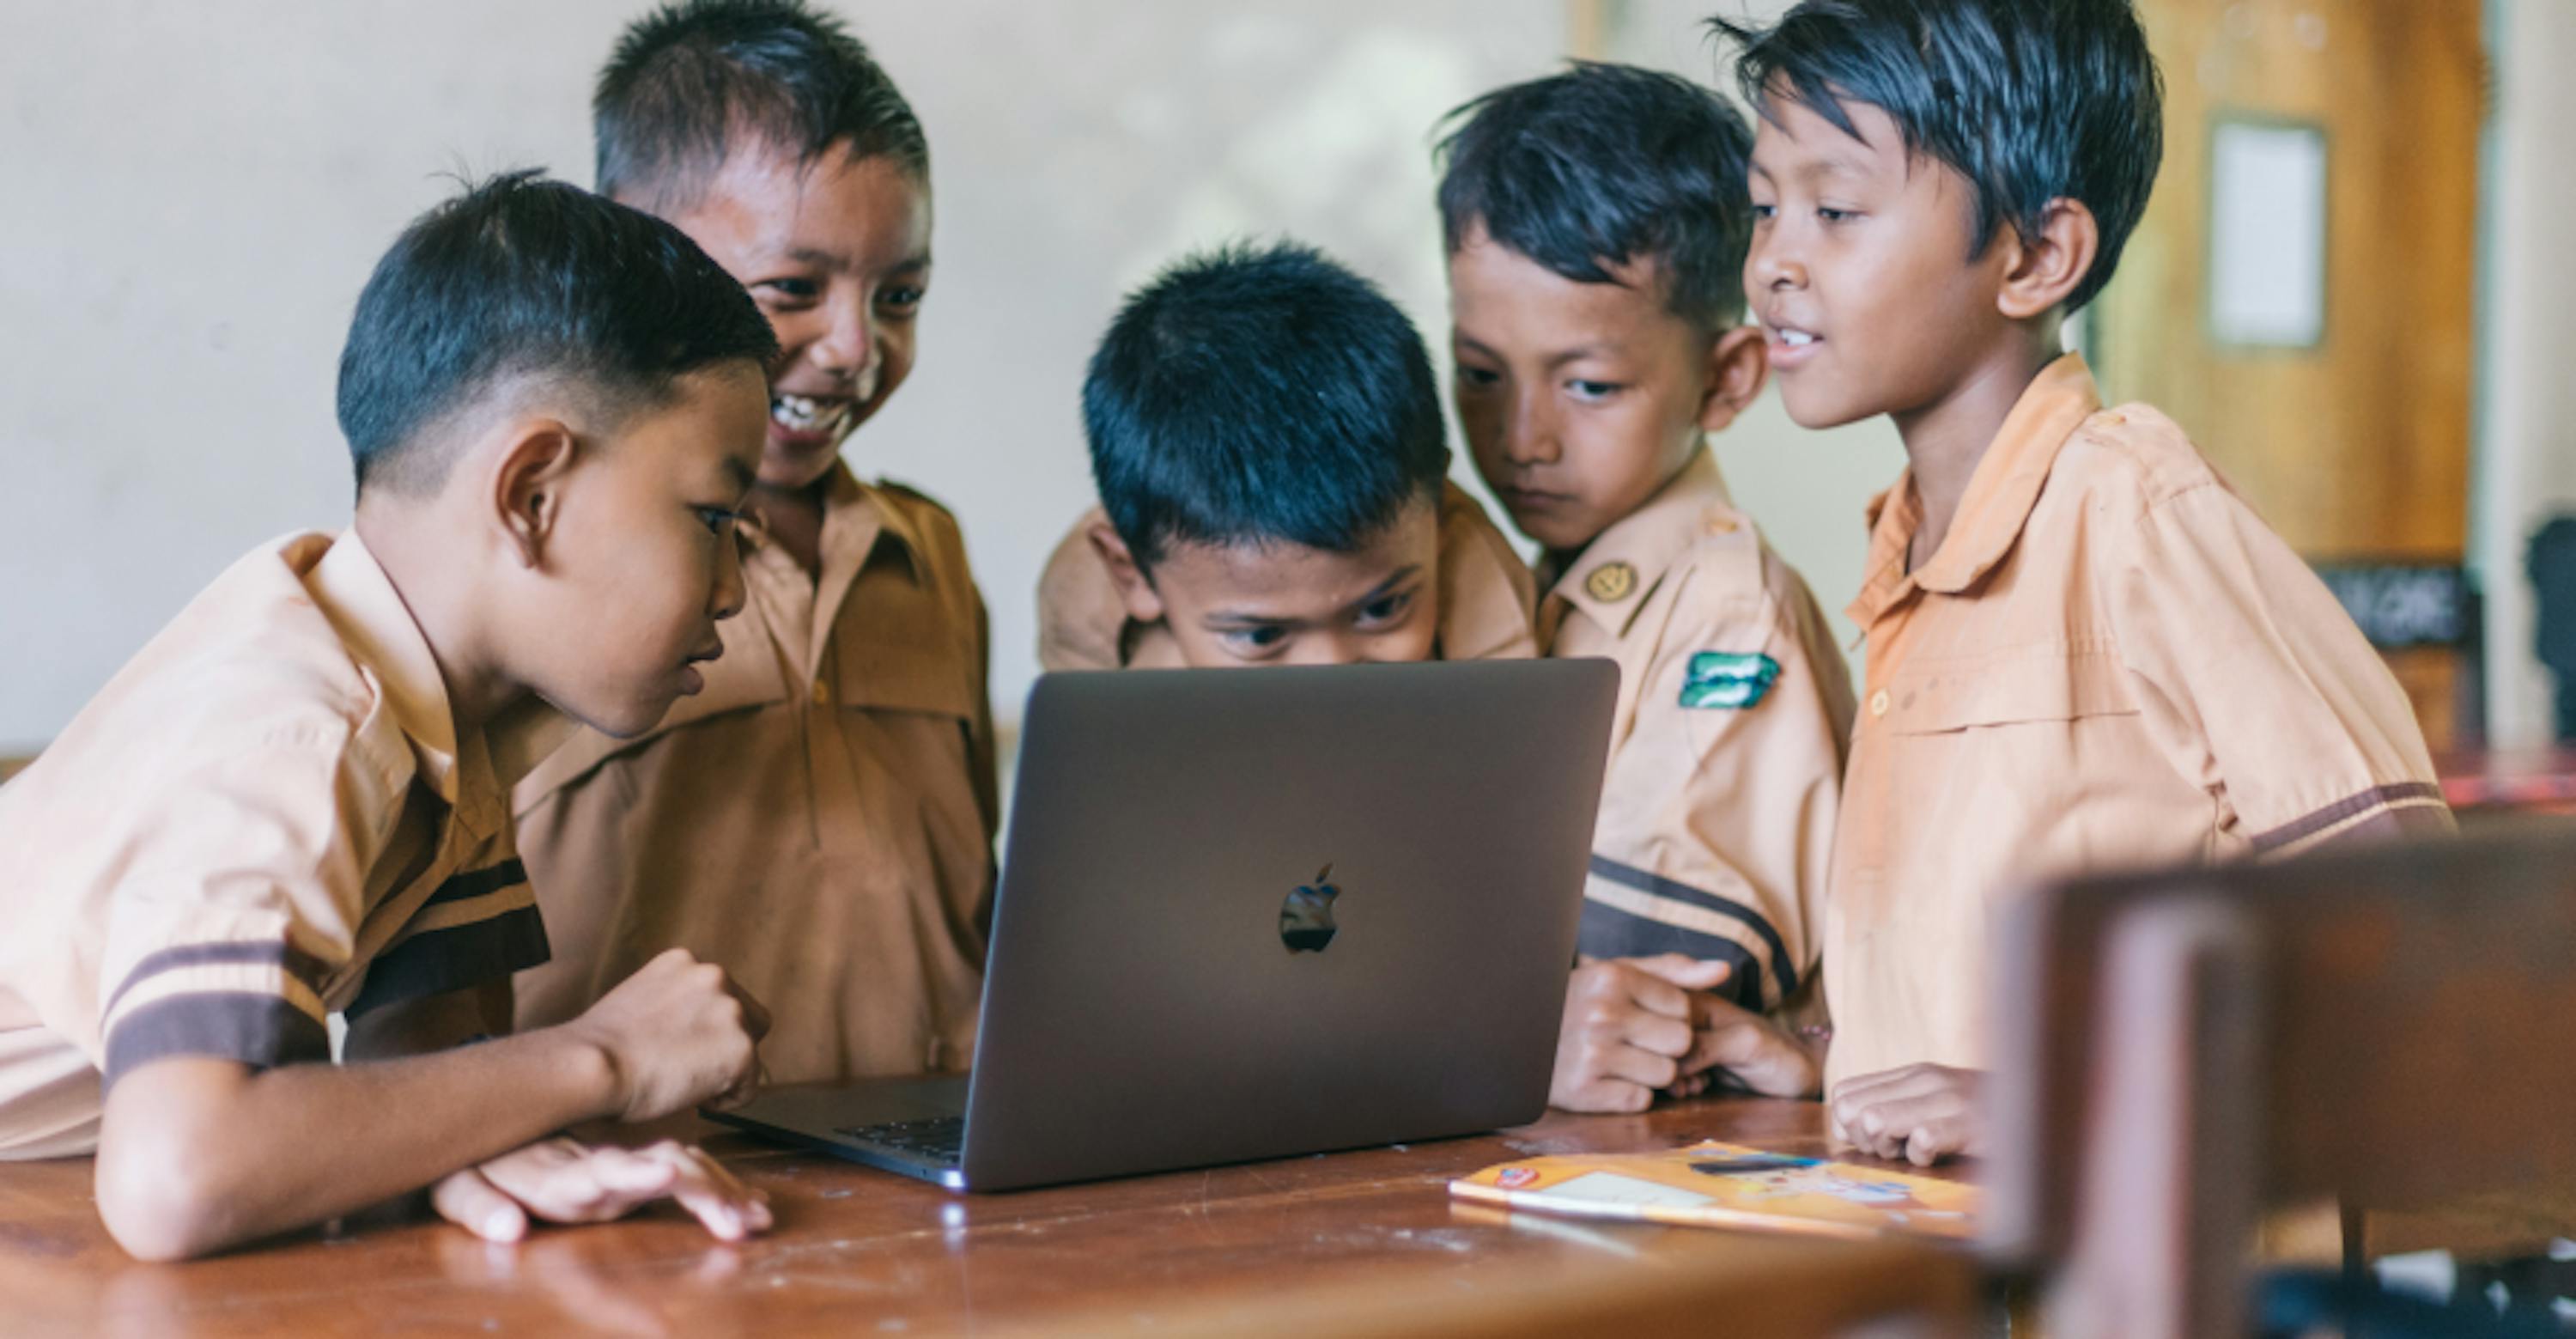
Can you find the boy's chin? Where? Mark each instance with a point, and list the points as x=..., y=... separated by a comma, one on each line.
x=1817, y=411
x=795, y=469
x=620, y=720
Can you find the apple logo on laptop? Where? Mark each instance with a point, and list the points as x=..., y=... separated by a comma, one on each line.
x=1306, y=918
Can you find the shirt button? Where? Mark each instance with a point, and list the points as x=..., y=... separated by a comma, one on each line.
x=822, y=693
x=1878, y=703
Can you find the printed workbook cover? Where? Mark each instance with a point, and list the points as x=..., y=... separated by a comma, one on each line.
x=1727, y=1185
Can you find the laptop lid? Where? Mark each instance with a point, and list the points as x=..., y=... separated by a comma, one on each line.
x=1252, y=913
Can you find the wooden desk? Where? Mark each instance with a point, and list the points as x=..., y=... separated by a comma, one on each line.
x=1360, y=1242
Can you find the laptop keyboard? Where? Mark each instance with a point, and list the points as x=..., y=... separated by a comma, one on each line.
x=940, y=1140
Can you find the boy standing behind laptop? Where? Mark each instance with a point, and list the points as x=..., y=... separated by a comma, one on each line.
x=1596, y=224
x=1265, y=432
x=820, y=819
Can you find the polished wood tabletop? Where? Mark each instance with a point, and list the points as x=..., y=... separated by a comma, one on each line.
x=1364, y=1241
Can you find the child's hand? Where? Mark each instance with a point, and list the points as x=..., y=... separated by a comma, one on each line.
x=1730, y=1039
x=1628, y=1029
x=1922, y=1113
x=676, y=1033
x=562, y=1181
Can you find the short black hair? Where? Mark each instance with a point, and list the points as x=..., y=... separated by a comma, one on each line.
x=1260, y=394
x=2030, y=100
x=1604, y=166
x=688, y=80
x=520, y=276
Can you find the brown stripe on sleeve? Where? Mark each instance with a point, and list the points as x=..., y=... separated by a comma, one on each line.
x=2396, y=797
x=434, y=962
x=297, y=963
x=262, y=1031
x=1614, y=932
x=1626, y=875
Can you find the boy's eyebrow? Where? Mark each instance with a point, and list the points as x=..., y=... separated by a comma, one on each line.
x=1554, y=360
x=1387, y=587
x=825, y=259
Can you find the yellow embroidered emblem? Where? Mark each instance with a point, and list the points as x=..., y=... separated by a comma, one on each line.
x=1611, y=582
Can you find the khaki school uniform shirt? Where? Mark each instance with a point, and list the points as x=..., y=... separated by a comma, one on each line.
x=1726, y=753
x=1486, y=600
x=818, y=819
x=266, y=817
x=2111, y=661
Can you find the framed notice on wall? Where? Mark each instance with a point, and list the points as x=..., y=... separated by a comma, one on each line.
x=2267, y=234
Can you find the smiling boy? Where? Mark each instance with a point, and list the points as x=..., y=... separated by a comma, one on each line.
x=2084, y=649
x=1596, y=225
x=820, y=819
x=1267, y=442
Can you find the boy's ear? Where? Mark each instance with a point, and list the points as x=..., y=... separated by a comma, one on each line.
x=527, y=482
x=1135, y=589
x=2047, y=267
x=1737, y=366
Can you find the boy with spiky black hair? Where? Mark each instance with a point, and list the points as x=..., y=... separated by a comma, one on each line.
x=1596, y=224
x=2085, y=650
x=292, y=805
x=820, y=820
x=1265, y=433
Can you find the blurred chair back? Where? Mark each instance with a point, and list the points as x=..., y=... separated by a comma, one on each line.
x=2552, y=563
x=2390, y=1027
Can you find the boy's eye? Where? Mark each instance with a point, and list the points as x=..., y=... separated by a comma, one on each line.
x=1477, y=377
x=903, y=299
x=717, y=519
x=1386, y=610
x=1594, y=390
x=1832, y=215
x=793, y=290
x=1765, y=212
x=1257, y=640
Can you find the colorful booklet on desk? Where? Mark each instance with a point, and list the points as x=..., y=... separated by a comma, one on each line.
x=1726, y=1185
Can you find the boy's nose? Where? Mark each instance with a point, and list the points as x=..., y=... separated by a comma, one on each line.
x=1325, y=648
x=849, y=344
x=1529, y=435
x=729, y=594
x=1772, y=268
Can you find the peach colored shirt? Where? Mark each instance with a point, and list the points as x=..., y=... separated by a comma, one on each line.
x=268, y=816
x=2111, y=661
x=1726, y=752
x=1486, y=599
x=819, y=819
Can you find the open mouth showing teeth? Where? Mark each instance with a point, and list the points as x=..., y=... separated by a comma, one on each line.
x=804, y=414
x=1796, y=339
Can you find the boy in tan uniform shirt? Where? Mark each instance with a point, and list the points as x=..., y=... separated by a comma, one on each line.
x=1596, y=223
x=1272, y=467
x=291, y=803
x=2085, y=651
x=820, y=820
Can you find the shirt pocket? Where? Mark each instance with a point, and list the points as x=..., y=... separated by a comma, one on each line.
x=899, y=646
x=2048, y=685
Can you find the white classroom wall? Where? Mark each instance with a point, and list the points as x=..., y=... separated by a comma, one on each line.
x=196, y=192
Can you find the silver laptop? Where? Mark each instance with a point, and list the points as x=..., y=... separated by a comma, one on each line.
x=1253, y=913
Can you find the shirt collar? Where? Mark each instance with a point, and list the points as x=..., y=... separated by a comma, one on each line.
x=2000, y=496
x=1692, y=505
x=857, y=525
x=470, y=773
x=352, y=590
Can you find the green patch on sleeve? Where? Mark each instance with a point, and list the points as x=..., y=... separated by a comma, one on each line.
x=1724, y=680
